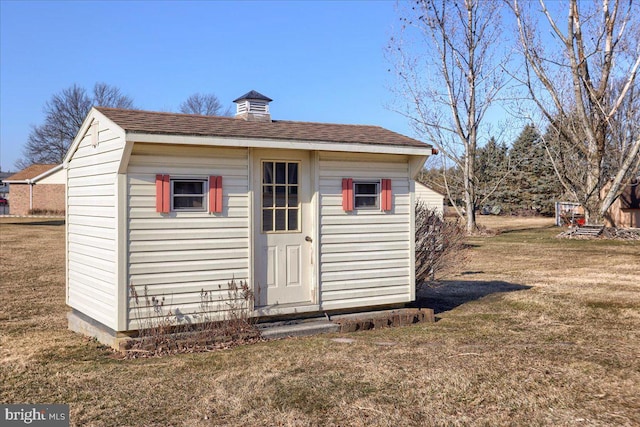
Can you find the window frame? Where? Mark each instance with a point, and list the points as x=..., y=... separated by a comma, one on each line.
x=204, y=195
x=377, y=195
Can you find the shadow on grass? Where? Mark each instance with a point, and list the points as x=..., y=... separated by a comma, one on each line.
x=449, y=294
x=529, y=229
x=53, y=222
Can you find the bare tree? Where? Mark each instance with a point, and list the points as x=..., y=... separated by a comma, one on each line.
x=583, y=81
x=448, y=58
x=204, y=105
x=64, y=114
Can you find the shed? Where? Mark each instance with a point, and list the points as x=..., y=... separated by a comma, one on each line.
x=39, y=188
x=624, y=212
x=315, y=217
x=431, y=198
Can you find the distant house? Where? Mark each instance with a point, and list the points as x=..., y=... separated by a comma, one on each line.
x=4, y=193
x=39, y=188
x=431, y=198
x=625, y=210
x=315, y=217
x=4, y=187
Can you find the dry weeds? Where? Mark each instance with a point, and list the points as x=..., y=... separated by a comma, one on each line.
x=535, y=331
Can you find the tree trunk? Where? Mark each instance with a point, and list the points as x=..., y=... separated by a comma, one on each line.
x=592, y=195
x=469, y=191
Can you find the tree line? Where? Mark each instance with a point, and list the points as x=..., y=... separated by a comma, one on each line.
x=567, y=67
x=516, y=179
x=66, y=110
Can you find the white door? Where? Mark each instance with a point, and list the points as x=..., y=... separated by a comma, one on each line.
x=282, y=219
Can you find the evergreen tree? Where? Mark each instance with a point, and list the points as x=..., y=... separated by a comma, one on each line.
x=533, y=186
x=493, y=166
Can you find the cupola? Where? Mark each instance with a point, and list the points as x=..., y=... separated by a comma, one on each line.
x=253, y=106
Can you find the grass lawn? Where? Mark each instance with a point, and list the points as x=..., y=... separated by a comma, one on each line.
x=534, y=331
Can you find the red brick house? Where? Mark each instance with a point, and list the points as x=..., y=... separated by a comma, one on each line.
x=40, y=188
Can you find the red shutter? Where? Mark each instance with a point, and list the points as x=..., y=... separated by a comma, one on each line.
x=166, y=194
x=219, y=194
x=215, y=194
x=163, y=194
x=347, y=194
x=159, y=193
x=386, y=199
x=212, y=194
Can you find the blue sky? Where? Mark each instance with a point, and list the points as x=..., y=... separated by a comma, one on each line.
x=318, y=61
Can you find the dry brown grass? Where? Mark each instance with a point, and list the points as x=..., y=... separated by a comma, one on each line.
x=535, y=331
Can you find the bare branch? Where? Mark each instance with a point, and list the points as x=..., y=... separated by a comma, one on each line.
x=64, y=114
x=204, y=105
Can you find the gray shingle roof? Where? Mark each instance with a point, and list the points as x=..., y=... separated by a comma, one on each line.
x=31, y=172
x=138, y=121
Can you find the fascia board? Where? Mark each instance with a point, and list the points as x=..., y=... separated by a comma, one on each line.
x=275, y=143
x=416, y=164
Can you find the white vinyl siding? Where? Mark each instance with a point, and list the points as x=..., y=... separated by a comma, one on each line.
x=59, y=177
x=365, y=255
x=432, y=199
x=91, y=224
x=176, y=256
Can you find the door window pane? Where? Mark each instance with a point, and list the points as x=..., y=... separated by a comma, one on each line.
x=292, y=222
x=281, y=223
x=267, y=196
x=267, y=173
x=281, y=195
x=281, y=172
x=292, y=177
x=292, y=198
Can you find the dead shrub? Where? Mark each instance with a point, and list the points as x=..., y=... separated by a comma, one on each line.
x=47, y=212
x=237, y=322
x=170, y=332
x=440, y=245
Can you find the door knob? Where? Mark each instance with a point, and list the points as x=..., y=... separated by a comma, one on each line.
x=308, y=239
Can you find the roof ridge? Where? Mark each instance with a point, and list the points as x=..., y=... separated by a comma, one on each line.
x=169, y=113
x=333, y=124
x=233, y=118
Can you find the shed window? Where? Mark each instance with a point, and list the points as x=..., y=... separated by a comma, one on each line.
x=366, y=194
x=188, y=194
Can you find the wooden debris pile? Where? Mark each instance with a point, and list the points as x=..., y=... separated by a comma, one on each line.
x=621, y=233
x=600, y=232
